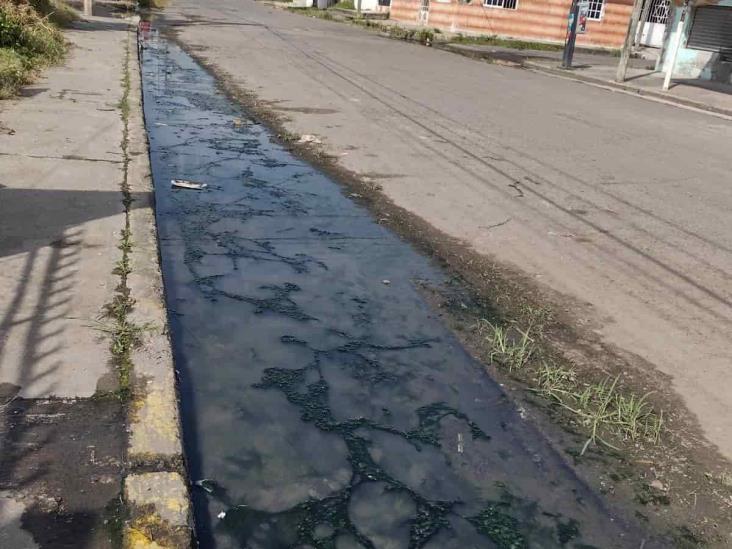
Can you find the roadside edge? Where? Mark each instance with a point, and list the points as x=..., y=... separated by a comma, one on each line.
x=156, y=487
x=518, y=61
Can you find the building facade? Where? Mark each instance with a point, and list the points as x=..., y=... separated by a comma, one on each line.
x=538, y=20
x=705, y=46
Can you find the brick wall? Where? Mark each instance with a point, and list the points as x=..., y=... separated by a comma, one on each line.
x=533, y=20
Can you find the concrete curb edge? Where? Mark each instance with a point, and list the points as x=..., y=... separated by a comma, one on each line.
x=156, y=487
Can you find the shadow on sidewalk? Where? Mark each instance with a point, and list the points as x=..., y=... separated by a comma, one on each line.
x=61, y=459
x=46, y=228
x=65, y=456
x=709, y=85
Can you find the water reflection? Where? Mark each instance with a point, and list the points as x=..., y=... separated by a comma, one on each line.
x=323, y=400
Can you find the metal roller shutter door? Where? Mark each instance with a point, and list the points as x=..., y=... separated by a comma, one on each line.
x=711, y=29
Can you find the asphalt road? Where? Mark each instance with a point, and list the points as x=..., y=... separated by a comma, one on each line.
x=617, y=203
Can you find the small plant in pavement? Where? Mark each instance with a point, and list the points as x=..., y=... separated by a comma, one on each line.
x=601, y=407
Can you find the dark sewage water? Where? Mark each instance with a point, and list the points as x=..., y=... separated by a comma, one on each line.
x=323, y=401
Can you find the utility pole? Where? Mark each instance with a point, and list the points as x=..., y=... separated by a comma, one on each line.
x=88, y=9
x=358, y=7
x=671, y=63
x=643, y=21
x=571, y=35
x=629, y=39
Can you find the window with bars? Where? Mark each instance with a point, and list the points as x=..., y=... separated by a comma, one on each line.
x=658, y=12
x=596, y=9
x=507, y=4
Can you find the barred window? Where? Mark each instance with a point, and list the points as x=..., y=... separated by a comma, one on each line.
x=596, y=9
x=507, y=4
x=659, y=11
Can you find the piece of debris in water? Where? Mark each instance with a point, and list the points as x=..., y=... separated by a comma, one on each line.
x=309, y=138
x=204, y=483
x=221, y=515
x=185, y=184
x=386, y=282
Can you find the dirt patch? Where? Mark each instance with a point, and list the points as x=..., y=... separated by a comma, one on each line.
x=306, y=110
x=675, y=484
x=65, y=460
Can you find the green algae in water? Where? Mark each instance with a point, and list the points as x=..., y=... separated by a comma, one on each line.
x=312, y=399
x=431, y=518
x=500, y=527
x=226, y=223
x=430, y=417
x=567, y=531
x=313, y=403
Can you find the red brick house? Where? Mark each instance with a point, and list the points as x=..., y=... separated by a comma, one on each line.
x=543, y=20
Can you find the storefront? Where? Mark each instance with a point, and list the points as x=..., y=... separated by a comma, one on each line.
x=705, y=50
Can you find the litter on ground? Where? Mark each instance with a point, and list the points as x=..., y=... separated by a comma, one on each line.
x=309, y=138
x=184, y=184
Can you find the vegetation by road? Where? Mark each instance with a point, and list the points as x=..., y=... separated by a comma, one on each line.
x=29, y=40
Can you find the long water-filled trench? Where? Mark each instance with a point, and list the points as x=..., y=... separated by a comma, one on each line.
x=324, y=403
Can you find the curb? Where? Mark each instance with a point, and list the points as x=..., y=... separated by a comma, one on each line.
x=519, y=61
x=376, y=16
x=633, y=90
x=156, y=488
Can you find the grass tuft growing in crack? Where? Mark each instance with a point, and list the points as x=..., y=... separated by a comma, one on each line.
x=510, y=346
x=600, y=407
x=124, y=334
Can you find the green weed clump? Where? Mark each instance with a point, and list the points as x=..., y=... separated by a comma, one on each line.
x=602, y=407
x=59, y=13
x=156, y=4
x=29, y=40
x=493, y=40
x=13, y=72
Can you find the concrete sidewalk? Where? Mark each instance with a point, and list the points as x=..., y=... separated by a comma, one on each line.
x=72, y=180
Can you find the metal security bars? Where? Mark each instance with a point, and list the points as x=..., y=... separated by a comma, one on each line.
x=506, y=4
x=596, y=9
x=659, y=11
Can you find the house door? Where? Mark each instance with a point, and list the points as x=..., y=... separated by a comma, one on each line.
x=655, y=24
x=424, y=12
